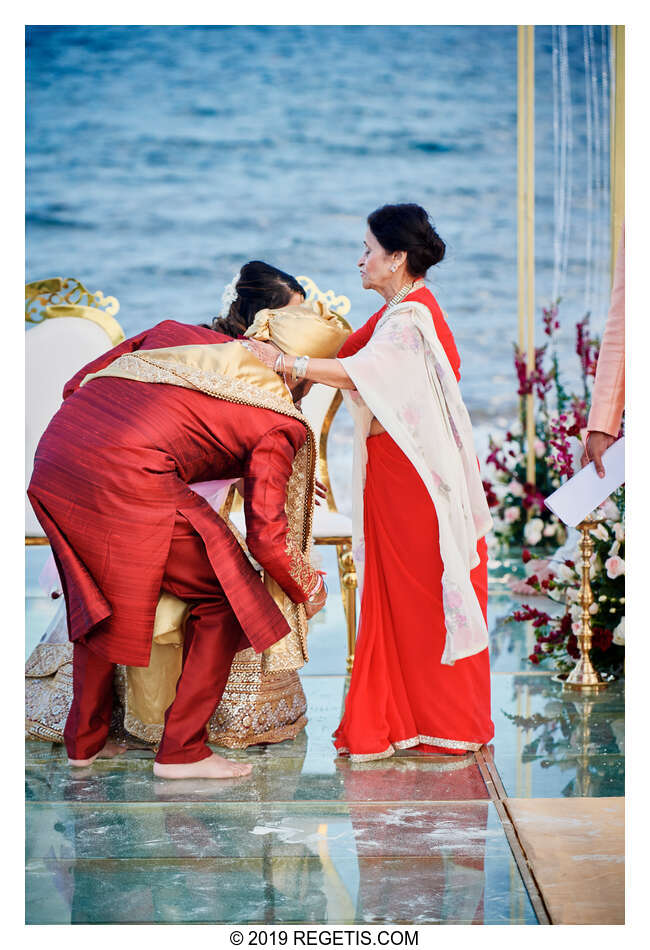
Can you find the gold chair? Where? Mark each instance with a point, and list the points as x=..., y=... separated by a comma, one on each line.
x=85, y=328
x=331, y=526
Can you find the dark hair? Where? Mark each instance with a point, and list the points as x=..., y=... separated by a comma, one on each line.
x=407, y=227
x=259, y=286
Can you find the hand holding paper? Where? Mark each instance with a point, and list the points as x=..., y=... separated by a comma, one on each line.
x=578, y=497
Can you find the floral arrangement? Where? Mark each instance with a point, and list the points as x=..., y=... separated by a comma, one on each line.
x=556, y=636
x=519, y=515
x=521, y=518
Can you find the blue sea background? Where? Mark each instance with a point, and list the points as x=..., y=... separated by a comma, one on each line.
x=159, y=159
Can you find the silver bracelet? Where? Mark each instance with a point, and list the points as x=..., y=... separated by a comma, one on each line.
x=299, y=367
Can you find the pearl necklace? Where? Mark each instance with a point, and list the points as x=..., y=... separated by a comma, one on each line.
x=401, y=294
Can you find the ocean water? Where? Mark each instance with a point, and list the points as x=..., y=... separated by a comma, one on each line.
x=159, y=159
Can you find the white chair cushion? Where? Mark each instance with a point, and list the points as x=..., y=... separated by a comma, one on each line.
x=331, y=524
x=315, y=406
x=54, y=351
x=327, y=524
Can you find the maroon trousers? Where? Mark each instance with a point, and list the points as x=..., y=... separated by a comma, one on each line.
x=213, y=636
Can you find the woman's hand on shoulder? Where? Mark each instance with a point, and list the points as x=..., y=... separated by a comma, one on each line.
x=265, y=352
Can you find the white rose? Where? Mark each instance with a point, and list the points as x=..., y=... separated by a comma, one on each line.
x=610, y=510
x=540, y=449
x=600, y=532
x=565, y=573
x=571, y=595
x=550, y=530
x=595, y=567
x=515, y=488
x=576, y=611
x=593, y=609
x=619, y=531
x=512, y=514
x=533, y=531
x=619, y=633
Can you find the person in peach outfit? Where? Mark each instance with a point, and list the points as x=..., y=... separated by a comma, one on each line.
x=608, y=396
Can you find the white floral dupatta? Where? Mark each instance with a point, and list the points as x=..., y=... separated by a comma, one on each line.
x=403, y=377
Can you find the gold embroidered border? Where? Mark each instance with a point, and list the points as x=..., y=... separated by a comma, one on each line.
x=422, y=763
x=408, y=744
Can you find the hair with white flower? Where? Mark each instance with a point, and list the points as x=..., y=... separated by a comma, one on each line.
x=229, y=295
x=255, y=287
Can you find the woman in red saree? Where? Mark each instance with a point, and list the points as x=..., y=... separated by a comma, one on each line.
x=421, y=675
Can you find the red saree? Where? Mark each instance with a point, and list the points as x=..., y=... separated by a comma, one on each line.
x=400, y=695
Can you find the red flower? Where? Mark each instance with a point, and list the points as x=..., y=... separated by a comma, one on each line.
x=572, y=646
x=490, y=496
x=586, y=348
x=532, y=580
x=534, y=658
x=526, y=555
x=550, y=320
x=602, y=638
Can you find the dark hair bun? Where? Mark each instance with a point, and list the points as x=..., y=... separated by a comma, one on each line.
x=260, y=285
x=406, y=227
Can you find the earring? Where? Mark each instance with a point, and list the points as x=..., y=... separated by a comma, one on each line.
x=393, y=268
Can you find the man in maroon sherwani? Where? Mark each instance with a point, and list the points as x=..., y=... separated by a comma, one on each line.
x=110, y=488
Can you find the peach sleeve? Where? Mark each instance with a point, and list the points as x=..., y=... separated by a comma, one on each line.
x=608, y=396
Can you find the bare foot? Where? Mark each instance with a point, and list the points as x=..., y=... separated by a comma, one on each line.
x=213, y=767
x=110, y=750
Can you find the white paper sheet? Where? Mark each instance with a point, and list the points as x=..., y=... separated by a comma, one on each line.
x=578, y=497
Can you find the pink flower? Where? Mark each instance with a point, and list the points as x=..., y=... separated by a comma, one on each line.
x=512, y=514
x=550, y=320
x=454, y=598
x=615, y=566
x=540, y=449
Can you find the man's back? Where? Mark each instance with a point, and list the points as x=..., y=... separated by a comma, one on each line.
x=111, y=474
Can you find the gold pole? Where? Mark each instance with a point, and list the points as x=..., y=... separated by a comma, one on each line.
x=521, y=180
x=583, y=676
x=526, y=218
x=617, y=142
x=526, y=221
x=530, y=243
